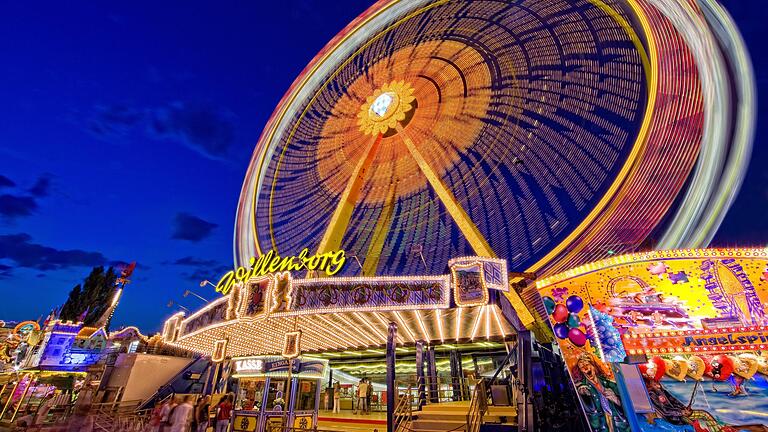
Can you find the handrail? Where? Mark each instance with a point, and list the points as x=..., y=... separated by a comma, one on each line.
x=477, y=407
x=403, y=412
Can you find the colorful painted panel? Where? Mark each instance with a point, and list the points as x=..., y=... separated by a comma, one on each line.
x=693, y=320
x=384, y=293
x=214, y=313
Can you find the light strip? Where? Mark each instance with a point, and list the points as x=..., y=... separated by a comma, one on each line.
x=487, y=322
x=476, y=326
x=458, y=322
x=370, y=326
x=498, y=321
x=358, y=329
x=439, y=319
x=423, y=327
x=386, y=325
x=341, y=329
x=405, y=326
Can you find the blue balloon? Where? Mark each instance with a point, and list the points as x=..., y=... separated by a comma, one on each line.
x=574, y=303
x=549, y=305
x=561, y=330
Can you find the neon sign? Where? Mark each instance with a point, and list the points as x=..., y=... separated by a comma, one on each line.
x=328, y=262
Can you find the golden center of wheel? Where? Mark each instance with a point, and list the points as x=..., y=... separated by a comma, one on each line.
x=387, y=106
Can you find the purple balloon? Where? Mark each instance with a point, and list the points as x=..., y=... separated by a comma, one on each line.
x=574, y=303
x=577, y=337
x=561, y=330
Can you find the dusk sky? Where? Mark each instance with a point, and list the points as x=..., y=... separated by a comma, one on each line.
x=126, y=130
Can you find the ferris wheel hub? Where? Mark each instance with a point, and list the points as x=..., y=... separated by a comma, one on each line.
x=386, y=107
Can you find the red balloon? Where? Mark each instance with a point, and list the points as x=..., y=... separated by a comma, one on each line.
x=577, y=337
x=654, y=369
x=560, y=314
x=722, y=368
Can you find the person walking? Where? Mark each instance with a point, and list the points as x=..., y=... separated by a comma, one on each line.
x=202, y=413
x=155, y=419
x=181, y=418
x=362, y=393
x=336, y=396
x=368, y=395
x=166, y=412
x=224, y=414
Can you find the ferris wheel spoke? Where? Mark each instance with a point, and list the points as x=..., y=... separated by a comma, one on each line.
x=341, y=216
x=462, y=219
x=373, y=256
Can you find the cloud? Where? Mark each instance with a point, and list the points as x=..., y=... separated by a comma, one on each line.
x=192, y=228
x=201, y=274
x=20, y=249
x=12, y=206
x=193, y=262
x=5, y=271
x=42, y=186
x=206, y=129
x=114, y=120
x=6, y=182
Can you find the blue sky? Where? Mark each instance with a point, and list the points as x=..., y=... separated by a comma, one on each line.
x=126, y=129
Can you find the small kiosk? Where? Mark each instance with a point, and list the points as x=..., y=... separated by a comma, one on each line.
x=271, y=391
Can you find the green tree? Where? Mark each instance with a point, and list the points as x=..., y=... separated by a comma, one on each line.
x=93, y=296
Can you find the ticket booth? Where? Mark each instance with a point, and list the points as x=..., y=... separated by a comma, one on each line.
x=272, y=391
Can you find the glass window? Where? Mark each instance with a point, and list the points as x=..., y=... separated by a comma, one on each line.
x=277, y=395
x=307, y=393
x=250, y=394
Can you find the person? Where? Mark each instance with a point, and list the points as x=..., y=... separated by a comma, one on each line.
x=362, y=392
x=336, y=396
x=201, y=413
x=181, y=418
x=224, y=414
x=42, y=412
x=326, y=400
x=155, y=418
x=166, y=412
x=368, y=395
x=599, y=396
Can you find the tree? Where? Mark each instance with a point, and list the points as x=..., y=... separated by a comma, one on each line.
x=91, y=298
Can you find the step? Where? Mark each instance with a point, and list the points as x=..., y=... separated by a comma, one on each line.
x=507, y=411
x=447, y=406
x=438, y=425
x=453, y=415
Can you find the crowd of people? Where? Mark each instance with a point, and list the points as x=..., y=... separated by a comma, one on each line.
x=191, y=414
x=362, y=397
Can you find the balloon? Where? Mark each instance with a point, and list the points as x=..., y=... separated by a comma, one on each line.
x=573, y=320
x=549, y=304
x=574, y=303
x=654, y=369
x=577, y=337
x=722, y=368
x=561, y=330
x=560, y=314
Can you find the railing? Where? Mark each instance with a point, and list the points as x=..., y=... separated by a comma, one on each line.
x=403, y=412
x=118, y=416
x=477, y=407
x=437, y=389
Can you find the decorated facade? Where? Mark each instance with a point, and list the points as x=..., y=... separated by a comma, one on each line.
x=689, y=324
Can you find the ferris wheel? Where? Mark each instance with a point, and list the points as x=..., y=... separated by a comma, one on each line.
x=535, y=131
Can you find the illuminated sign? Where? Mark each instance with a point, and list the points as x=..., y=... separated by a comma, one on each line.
x=249, y=365
x=328, y=262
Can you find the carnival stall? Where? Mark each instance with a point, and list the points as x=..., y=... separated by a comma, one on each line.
x=276, y=391
x=667, y=340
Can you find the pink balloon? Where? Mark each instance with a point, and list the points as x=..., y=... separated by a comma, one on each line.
x=577, y=337
x=560, y=314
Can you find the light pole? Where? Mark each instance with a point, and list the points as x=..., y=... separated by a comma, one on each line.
x=188, y=292
x=171, y=303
